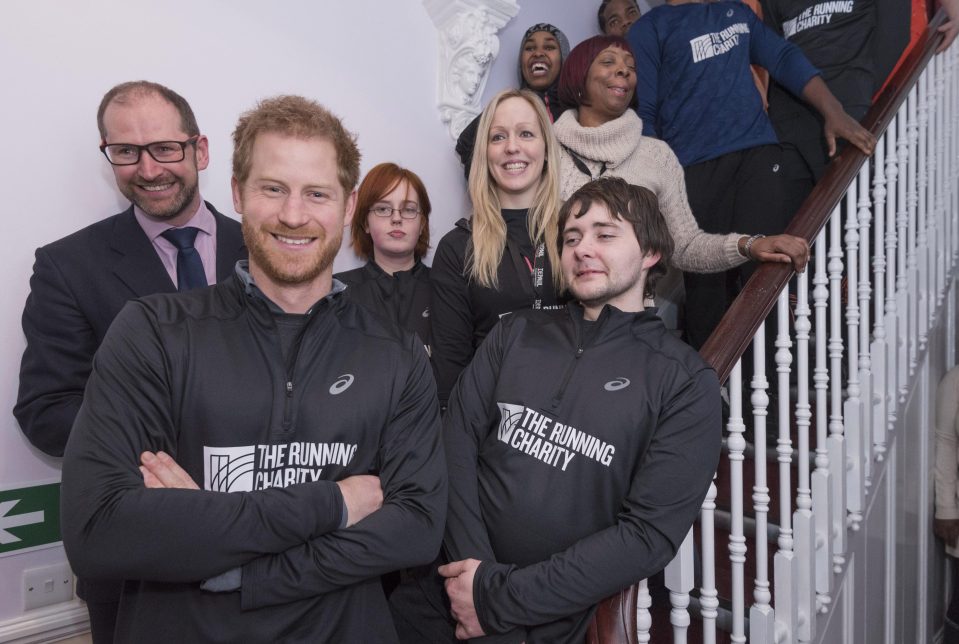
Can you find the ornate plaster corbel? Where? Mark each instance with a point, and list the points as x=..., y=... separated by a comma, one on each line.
x=468, y=47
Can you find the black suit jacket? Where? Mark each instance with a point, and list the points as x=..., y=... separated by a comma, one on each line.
x=79, y=285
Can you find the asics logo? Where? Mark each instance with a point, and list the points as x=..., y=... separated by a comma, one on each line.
x=616, y=384
x=342, y=384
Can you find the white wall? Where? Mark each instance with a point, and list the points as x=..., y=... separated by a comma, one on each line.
x=373, y=62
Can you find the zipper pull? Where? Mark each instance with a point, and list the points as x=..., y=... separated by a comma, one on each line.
x=579, y=352
x=289, y=388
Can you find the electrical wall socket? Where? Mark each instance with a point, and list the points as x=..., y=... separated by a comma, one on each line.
x=47, y=585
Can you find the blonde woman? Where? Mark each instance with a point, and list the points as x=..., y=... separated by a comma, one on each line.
x=498, y=260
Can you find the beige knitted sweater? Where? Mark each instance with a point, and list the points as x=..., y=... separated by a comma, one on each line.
x=650, y=163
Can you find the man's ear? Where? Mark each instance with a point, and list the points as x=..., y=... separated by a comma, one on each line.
x=237, y=199
x=202, y=153
x=350, y=207
x=650, y=260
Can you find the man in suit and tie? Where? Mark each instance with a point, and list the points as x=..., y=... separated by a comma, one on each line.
x=169, y=239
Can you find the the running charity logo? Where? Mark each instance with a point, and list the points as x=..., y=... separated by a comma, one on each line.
x=717, y=42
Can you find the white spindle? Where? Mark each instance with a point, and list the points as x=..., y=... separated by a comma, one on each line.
x=939, y=189
x=852, y=410
x=836, y=443
x=679, y=581
x=954, y=157
x=644, y=620
x=912, y=234
x=803, y=520
x=877, y=347
x=952, y=201
x=902, y=224
x=762, y=619
x=785, y=562
x=922, y=201
x=821, y=481
x=864, y=218
x=931, y=212
x=889, y=348
x=736, y=446
x=708, y=595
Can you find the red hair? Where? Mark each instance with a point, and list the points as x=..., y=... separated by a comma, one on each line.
x=572, y=77
x=377, y=183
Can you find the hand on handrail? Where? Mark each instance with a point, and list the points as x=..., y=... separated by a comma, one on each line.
x=840, y=125
x=951, y=27
x=784, y=249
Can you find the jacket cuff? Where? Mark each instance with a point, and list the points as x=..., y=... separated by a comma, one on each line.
x=486, y=575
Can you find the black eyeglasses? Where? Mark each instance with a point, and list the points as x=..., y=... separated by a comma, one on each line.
x=406, y=212
x=161, y=151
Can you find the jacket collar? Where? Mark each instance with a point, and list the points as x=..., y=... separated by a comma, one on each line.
x=611, y=319
x=252, y=292
x=137, y=263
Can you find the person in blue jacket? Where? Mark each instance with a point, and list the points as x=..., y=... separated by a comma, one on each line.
x=695, y=92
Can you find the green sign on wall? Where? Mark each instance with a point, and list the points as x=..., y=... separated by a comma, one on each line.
x=29, y=517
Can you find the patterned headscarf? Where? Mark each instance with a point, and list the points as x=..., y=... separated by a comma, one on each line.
x=548, y=28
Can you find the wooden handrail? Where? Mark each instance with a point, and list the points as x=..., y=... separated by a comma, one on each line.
x=738, y=326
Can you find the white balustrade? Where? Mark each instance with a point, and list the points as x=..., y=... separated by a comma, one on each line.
x=762, y=618
x=679, y=580
x=736, y=446
x=882, y=267
x=785, y=561
x=877, y=348
x=836, y=443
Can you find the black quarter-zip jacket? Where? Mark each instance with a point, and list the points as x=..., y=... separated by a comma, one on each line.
x=579, y=455
x=462, y=310
x=202, y=376
x=403, y=297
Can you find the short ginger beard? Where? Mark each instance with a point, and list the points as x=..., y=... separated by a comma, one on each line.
x=289, y=274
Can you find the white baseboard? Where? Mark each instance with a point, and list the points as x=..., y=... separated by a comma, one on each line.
x=46, y=624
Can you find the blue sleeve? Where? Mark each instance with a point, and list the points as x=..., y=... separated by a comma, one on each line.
x=644, y=41
x=785, y=61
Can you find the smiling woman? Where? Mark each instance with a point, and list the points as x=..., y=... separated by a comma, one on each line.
x=498, y=261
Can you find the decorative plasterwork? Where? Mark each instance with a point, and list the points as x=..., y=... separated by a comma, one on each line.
x=468, y=46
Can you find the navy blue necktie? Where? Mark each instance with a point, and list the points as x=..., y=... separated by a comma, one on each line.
x=189, y=267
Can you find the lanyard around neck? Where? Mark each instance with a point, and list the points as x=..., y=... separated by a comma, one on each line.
x=582, y=167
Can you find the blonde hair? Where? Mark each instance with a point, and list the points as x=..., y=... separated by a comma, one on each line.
x=488, y=226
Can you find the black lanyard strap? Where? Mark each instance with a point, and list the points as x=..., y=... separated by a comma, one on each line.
x=582, y=167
